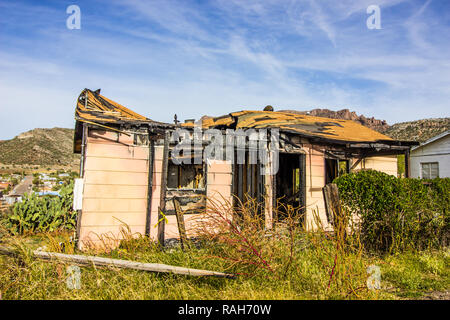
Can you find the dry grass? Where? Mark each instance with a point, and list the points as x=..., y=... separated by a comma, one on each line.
x=285, y=262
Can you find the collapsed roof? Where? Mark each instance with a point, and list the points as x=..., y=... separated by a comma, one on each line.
x=326, y=129
x=95, y=109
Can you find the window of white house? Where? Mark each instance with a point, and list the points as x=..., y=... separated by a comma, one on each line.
x=430, y=170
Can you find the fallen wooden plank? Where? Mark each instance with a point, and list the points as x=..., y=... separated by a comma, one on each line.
x=126, y=264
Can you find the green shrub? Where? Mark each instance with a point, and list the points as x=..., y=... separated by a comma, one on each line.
x=397, y=213
x=42, y=214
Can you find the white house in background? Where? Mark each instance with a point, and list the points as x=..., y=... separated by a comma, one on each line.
x=431, y=159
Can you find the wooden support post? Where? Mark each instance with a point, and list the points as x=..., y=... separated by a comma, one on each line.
x=332, y=202
x=82, y=165
x=240, y=183
x=162, y=203
x=407, y=166
x=260, y=186
x=151, y=152
x=248, y=182
x=274, y=195
x=180, y=222
x=83, y=149
x=354, y=165
x=303, y=183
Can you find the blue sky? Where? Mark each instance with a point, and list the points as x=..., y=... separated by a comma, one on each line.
x=193, y=58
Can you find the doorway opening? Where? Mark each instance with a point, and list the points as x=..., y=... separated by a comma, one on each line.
x=291, y=184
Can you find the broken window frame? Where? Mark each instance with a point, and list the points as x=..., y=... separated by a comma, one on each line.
x=140, y=139
x=338, y=172
x=198, y=185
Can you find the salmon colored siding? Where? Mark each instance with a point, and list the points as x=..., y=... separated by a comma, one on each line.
x=115, y=187
x=315, y=181
x=386, y=164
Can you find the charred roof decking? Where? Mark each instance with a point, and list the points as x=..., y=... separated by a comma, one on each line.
x=92, y=106
x=333, y=130
x=96, y=109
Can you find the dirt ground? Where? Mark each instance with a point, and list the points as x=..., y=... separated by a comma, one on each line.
x=437, y=295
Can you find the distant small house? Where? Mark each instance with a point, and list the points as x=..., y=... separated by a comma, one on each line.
x=24, y=187
x=45, y=177
x=13, y=198
x=4, y=185
x=48, y=193
x=431, y=159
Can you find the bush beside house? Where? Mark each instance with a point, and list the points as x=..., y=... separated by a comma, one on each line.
x=397, y=213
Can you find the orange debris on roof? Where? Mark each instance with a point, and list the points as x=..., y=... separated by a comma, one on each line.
x=310, y=126
x=92, y=106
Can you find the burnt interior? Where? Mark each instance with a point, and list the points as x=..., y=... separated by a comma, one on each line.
x=185, y=176
x=290, y=184
x=248, y=180
x=335, y=168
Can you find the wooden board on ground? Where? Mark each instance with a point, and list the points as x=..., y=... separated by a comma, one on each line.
x=108, y=262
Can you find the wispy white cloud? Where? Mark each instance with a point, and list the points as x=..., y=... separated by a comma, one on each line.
x=166, y=57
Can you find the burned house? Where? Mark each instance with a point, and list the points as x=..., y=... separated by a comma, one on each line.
x=132, y=167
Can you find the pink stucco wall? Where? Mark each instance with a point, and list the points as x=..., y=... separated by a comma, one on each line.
x=115, y=188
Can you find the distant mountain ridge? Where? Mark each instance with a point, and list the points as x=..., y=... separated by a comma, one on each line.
x=54, y=147
x=346, y=114
x=40, y=147
x=418, y=130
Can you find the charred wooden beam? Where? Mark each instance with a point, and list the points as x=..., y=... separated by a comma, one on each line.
x=162, y=203
x=151, y=152
x=356, y=163
x=303, y=183
x=82, y=165
x=241, y=182
x=407, y=166
x=180, y=223
x=332, y=202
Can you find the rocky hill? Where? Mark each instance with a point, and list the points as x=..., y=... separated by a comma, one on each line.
x=376, y=124
x=44, y=147
x=419, y=130
x=54, y=147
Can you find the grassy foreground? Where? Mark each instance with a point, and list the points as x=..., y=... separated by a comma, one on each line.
x=311, y=270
